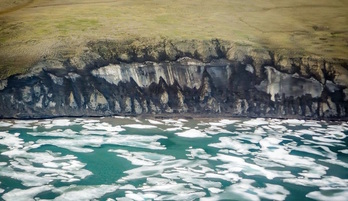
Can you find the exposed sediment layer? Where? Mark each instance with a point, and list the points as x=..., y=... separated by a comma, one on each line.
x=182, y=77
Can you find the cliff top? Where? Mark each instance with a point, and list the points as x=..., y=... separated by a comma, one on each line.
x=33, y=30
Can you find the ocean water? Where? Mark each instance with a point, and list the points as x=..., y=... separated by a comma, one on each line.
x=120, y=158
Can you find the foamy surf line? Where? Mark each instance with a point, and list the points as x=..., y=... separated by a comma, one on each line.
x=173, y=159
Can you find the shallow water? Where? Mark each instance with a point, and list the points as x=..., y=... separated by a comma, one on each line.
x=141, y=159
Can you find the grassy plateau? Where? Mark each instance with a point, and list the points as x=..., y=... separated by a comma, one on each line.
x=31, y=30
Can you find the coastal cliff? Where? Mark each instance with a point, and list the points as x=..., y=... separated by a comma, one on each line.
x=179, y=77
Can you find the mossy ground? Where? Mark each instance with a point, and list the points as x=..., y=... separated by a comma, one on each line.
x=58, y=29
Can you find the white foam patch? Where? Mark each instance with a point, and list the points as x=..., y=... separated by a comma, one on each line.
x=230, y=143
x=192, y=133
x=62, y=122
x=256, y=122
x=76, y=144
x=170, y=187
x=103, y=126
x=155, y=122
x=27, y=179
x=327, y=140
x=27, y=194
x=195, y=171
x=26, y=121
x=278, y=128
x=140, y=126
x=5, y=124
x=139, y=141
x=223, y=175
x=38, y=168
x=237, y=164
x=327, y=151
x=217, y=124
x=228, y=121
x=245, y=191
x=265, y=163
x=250, y=137
x=86, y=120
x=335, y=134
x=79, y=143
x=123, y=199
x=319, y=143
x=310, y=150
x=173, y=129
x=84, y=192
x=259, y=131
x=133, y=196
x=201, y=123
x=335, y=162
x=320, y=131
x=203, y=183
x=11, y=140
x=137, y=120
x=142, y=158
x=154, y=181
x=345, y=151
x=324, y=182
x=243, y=128
x=214, y=130
x=345, y=125
x=127, y=187
x=176, y=191
x=97, y=132
x=172, y=122
x=342, y=127
x=324, y=196
x=182, y=196
x=311, y=123
x=54, y=167
x=215, y=190
x=293, y=122
x=47, y=123
x=198, y=153
x=306, y=132
x=168, y=169
x=140, y=196
x=281, y=156
x=269, y=130
x=23, y=125
x=221, y=123
x=121, y=117
x=1, y=190
x=269, y=142
x=68, y=133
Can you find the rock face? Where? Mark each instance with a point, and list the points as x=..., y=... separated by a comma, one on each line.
x=214, y=80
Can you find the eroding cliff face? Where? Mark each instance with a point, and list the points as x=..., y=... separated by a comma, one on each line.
x=186, y=74
x=230, y=83
x=289, y=85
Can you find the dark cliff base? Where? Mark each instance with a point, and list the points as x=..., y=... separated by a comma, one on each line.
x=202, y=78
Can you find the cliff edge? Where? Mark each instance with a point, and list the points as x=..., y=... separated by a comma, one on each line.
x=212, y=77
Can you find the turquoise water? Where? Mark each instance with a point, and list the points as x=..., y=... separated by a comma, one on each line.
x=141, y=159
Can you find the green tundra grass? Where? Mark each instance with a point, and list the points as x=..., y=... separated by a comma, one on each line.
x=31, y=30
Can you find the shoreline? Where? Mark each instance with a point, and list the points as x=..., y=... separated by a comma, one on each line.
x=180, y=116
